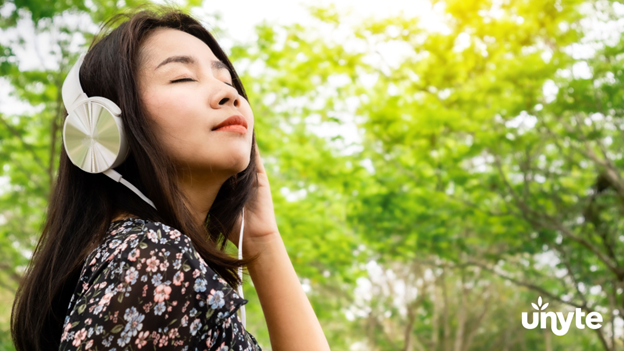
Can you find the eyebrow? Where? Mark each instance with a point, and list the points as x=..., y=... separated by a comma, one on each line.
x=189, y=60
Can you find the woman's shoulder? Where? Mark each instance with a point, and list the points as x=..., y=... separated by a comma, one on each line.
x=139, y=249
x=147, y=233
x=131, y=238
x=122, y=228
x=140, y=242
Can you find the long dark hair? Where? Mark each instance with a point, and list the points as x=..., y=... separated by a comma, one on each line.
x=83, y=205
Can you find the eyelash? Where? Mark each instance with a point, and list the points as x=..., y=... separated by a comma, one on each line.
x=192, y=80
x=183, y=80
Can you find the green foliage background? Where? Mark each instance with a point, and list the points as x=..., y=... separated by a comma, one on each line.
x=486, y=169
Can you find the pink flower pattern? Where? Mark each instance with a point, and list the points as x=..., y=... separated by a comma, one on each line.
x=146, y=287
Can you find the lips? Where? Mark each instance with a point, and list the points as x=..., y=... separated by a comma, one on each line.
x=235, y=120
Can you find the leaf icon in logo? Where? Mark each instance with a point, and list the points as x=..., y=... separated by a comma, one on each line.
x=539, y=304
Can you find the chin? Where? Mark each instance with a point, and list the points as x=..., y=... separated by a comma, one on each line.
x=236, y=162
x=241, y=165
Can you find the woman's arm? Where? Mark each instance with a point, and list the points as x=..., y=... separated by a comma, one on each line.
x=290, y=318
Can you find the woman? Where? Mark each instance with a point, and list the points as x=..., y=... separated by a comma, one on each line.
x=112, y=272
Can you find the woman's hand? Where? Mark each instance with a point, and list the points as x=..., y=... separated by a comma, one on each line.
x=260, y=220
x=288, y=313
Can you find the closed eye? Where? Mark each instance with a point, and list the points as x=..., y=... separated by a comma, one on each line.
x=183, y=80
x=192, y=80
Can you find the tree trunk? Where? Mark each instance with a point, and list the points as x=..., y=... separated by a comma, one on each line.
x=435, y=316
x=461, y=318
x=547, y=340
x=447, y=326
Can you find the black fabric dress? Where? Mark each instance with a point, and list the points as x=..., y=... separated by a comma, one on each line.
x=146, y=288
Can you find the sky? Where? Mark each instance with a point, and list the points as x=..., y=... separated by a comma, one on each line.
x=238, y=18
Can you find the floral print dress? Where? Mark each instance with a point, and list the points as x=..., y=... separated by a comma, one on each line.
x=146, y=287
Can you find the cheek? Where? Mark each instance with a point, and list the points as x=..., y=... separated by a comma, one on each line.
x=246, y=111
x=168, y=110
x=176, y=125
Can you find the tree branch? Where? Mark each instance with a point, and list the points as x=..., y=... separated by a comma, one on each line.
x=17, y=164
x=542, y=220
x=21, y=139
x=529, y=285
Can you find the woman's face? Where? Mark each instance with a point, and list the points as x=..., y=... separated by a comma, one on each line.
x=187, y=92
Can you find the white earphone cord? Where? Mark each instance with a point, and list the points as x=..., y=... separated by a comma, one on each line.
x=114, y=175
x=240, y=269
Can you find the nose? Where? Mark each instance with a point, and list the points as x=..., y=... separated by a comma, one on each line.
x=224, y=96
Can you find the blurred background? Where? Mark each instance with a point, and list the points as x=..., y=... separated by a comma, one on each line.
x=436, y=166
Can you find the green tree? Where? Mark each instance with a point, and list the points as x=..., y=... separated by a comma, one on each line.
x=474, y=163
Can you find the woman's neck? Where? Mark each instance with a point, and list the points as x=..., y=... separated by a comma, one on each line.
x=200, y=192
x=123, y=216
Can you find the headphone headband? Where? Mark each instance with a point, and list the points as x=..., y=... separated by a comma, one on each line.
x=73, y=94
x=72, y=90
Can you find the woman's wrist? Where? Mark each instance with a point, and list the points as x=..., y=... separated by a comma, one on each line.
x=261, y=245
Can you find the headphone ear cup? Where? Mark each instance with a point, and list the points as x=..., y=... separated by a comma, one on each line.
x=93, y=136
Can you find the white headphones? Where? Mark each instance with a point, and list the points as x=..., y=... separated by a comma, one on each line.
x=94, y=139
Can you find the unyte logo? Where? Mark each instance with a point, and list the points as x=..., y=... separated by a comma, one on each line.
x=558, y=324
